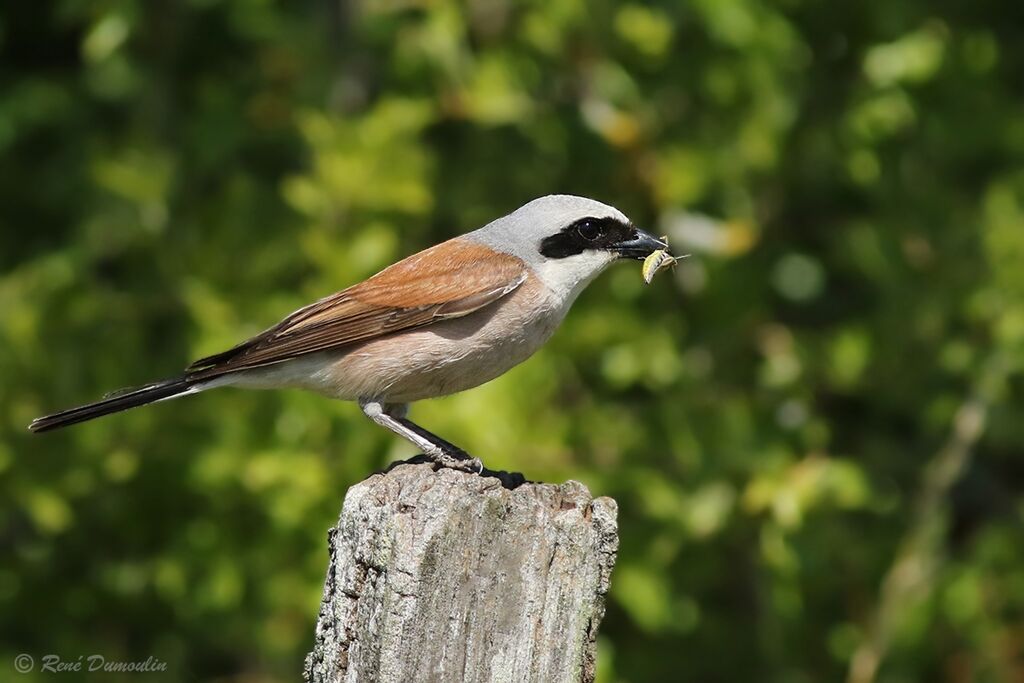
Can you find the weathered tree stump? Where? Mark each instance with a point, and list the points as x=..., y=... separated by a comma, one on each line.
x=448, y=576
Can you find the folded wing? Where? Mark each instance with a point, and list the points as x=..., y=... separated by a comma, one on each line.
x=449, y=280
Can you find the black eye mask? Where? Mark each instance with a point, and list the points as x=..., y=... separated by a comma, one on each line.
x=600, y=234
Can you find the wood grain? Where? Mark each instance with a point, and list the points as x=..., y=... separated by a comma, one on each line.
x=449, y=576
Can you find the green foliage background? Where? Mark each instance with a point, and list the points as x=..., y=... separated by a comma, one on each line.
x=812, y=427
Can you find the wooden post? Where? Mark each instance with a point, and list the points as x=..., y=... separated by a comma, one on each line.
x=449, y=576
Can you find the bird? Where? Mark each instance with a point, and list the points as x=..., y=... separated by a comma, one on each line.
x=441, y=321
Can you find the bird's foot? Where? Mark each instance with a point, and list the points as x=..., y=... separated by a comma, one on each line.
x=455, y=458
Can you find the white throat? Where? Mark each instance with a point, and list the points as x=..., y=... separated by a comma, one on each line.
x=566, y=277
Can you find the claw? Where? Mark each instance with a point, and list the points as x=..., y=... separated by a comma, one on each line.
x=456, y=459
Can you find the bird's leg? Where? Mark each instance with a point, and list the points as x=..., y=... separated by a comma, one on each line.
x=399, y=412
x=392, y=416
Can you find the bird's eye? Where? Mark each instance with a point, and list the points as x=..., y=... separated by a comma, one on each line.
x=590, y=230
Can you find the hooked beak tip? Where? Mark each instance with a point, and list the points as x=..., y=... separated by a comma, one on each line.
x=640, y=246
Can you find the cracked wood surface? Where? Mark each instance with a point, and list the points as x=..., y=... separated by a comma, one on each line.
x=449, y=576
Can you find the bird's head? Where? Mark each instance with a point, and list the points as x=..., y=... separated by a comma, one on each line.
x=568, y=240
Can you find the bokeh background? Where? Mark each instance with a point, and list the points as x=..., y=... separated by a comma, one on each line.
x=813, y=426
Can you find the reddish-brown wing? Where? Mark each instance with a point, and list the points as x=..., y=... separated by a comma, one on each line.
x=449, y=280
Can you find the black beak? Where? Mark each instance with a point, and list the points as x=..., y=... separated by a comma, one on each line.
x=639, y=246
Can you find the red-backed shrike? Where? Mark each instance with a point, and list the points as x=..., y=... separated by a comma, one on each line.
x=449, y=318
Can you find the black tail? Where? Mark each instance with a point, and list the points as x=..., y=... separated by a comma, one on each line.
x=122, y=400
